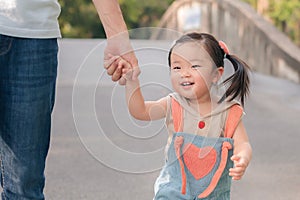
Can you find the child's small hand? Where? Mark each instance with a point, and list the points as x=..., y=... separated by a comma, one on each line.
x=127, y=70
x=120, y=66
x=240, y=165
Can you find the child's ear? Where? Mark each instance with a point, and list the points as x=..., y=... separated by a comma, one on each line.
x=217, y=74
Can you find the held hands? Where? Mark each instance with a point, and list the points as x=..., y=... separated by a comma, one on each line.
x=117, y=66
x=119, y=47
x=240, y=165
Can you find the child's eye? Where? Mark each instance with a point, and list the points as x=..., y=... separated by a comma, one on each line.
x=196, y=66
x=176, y=67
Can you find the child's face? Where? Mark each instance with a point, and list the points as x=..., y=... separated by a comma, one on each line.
x=193, y=71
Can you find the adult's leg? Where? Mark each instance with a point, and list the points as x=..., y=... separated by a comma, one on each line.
x=28, y=69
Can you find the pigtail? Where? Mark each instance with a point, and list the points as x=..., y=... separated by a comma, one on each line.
x=239, y=81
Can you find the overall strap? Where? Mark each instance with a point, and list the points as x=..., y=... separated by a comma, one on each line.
x=176, y=115
x=179, y=140
x=226, y=146
x=233, y=119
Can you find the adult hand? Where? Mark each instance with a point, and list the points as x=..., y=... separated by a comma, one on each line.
x=119, y=45
x=125, y=66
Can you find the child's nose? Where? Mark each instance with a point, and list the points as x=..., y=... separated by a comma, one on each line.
x=185, y=73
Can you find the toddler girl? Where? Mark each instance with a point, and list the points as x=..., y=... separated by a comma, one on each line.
x=208, y=144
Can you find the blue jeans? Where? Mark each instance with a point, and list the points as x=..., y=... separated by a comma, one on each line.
x=28, y=69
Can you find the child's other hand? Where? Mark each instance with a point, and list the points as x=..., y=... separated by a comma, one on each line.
x=240, y=165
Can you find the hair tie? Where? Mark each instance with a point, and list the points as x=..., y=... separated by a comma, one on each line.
x=224, y=47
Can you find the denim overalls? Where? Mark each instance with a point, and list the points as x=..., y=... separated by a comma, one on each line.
x=197, y=166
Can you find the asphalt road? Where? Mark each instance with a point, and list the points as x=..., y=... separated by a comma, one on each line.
x=99, y=152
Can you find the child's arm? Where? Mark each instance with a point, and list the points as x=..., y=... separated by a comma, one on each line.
x=138, y=107
x=242, y=152
x=141, y=109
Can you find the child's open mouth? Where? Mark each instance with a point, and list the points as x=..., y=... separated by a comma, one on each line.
x=187, y=83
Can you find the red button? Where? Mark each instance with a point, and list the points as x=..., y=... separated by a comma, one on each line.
x=201, y=124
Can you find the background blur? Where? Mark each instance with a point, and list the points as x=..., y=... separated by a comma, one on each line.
x=99, y=152
x=79, y=18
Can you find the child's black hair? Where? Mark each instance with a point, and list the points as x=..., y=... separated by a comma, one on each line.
x=239, y=81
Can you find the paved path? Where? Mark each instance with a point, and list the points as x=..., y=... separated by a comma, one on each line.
x=94, y=160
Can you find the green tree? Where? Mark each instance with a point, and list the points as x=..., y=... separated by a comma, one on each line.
x=286, y=16
x=139, y=13
x=79, y=17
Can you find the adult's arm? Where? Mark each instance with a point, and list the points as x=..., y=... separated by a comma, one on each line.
x=111, y=17
x=117, y=37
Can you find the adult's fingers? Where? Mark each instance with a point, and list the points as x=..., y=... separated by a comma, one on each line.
x=112, y=68
x=116, y=75
x=110, y=60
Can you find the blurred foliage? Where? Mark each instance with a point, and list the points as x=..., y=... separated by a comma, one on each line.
x=79, y=18
x=285, y=15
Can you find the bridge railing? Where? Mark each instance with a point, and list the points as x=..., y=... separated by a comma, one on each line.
x=266, y=49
